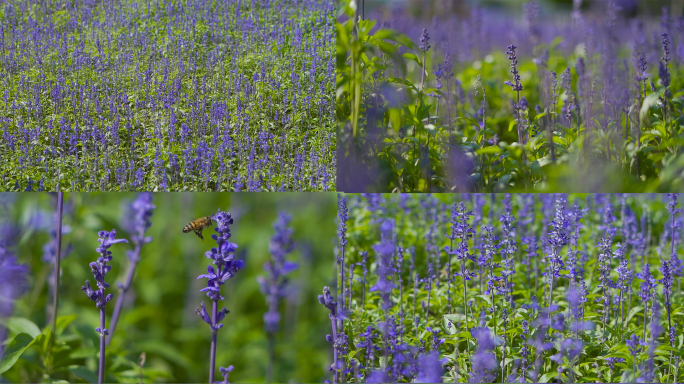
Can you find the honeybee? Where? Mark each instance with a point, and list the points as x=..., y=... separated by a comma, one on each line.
x=198, y=225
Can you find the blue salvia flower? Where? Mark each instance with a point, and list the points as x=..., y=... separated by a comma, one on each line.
x=424, y=38
x=666, y=53
x=13, y=276
x=137, y=221
x=509, y=247
x=274, y=285
x=515, y=85
x=327, y=300
x=611, y=361
x=557, y=239
x=646, y=291
x=342, y=237
x=635, y=346
x=430, y=368
x=484, y=361
x=667, y=281
x=100, y=269
x=675, y=262
x=223, y=257
x=225, y=372
x=524, y=350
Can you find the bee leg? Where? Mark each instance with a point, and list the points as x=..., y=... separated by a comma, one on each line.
x=198, y=232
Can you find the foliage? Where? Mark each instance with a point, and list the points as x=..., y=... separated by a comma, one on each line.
x=158, y=329
x=489, y=101
x=166, y=95
x=469, y=277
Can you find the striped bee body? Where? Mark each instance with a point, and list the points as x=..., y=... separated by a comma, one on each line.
x=198, y=225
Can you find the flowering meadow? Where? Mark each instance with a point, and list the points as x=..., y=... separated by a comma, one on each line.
x=139, y=301
x=451, y=96
x=507, y=288
x=167, y=95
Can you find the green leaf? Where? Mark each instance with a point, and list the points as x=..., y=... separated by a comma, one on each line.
x=412, y=56
x=14, y=350
x=556, y=41
x=633, y=312
x=548, y=376
x=649, y=101
x=488, y=150
x=395, y=118
x=539, y=116
x=84, y=373
x=454, y=317
x=21, y=325
x=63, y=322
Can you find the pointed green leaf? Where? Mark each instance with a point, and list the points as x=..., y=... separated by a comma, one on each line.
x=63, y=322
x=84, y=373
x=14, y=350
x=21, y=325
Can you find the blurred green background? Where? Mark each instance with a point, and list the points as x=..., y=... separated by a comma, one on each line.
x=159, y=316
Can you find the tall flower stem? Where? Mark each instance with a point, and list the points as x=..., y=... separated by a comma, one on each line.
x=223, y=257
x=141, y=213
x=333, y=320
x=101, y=366
x=327, y=300
x=214, y=331
x=58, y=255
x=55, y=299
x=271, y=357
x=124, y=288
x=465, y=301
x=100, y=269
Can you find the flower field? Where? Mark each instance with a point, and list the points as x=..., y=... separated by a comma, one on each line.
x=167, y=95
x=535, y=96
x=507, y=288
x=140, y=301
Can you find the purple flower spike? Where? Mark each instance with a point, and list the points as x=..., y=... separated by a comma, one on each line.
x=430, y=368
x=13, y=281
x=223, y=258
x=225, y=372
x=275, y=284
x=100, y=270
x=424, y=39
x=515, y=85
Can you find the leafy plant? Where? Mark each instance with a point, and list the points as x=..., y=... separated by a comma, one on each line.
x=158, y=337
x=166, y=96
x=585, y=112
x=507, y=288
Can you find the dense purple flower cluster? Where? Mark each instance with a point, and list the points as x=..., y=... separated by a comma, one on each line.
x=577, y=88
x=139, y=219
x=100, y=269
x=13, y=275
x=274, y=285
x=515, y=251
x=203, y=96
x=222, y=256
